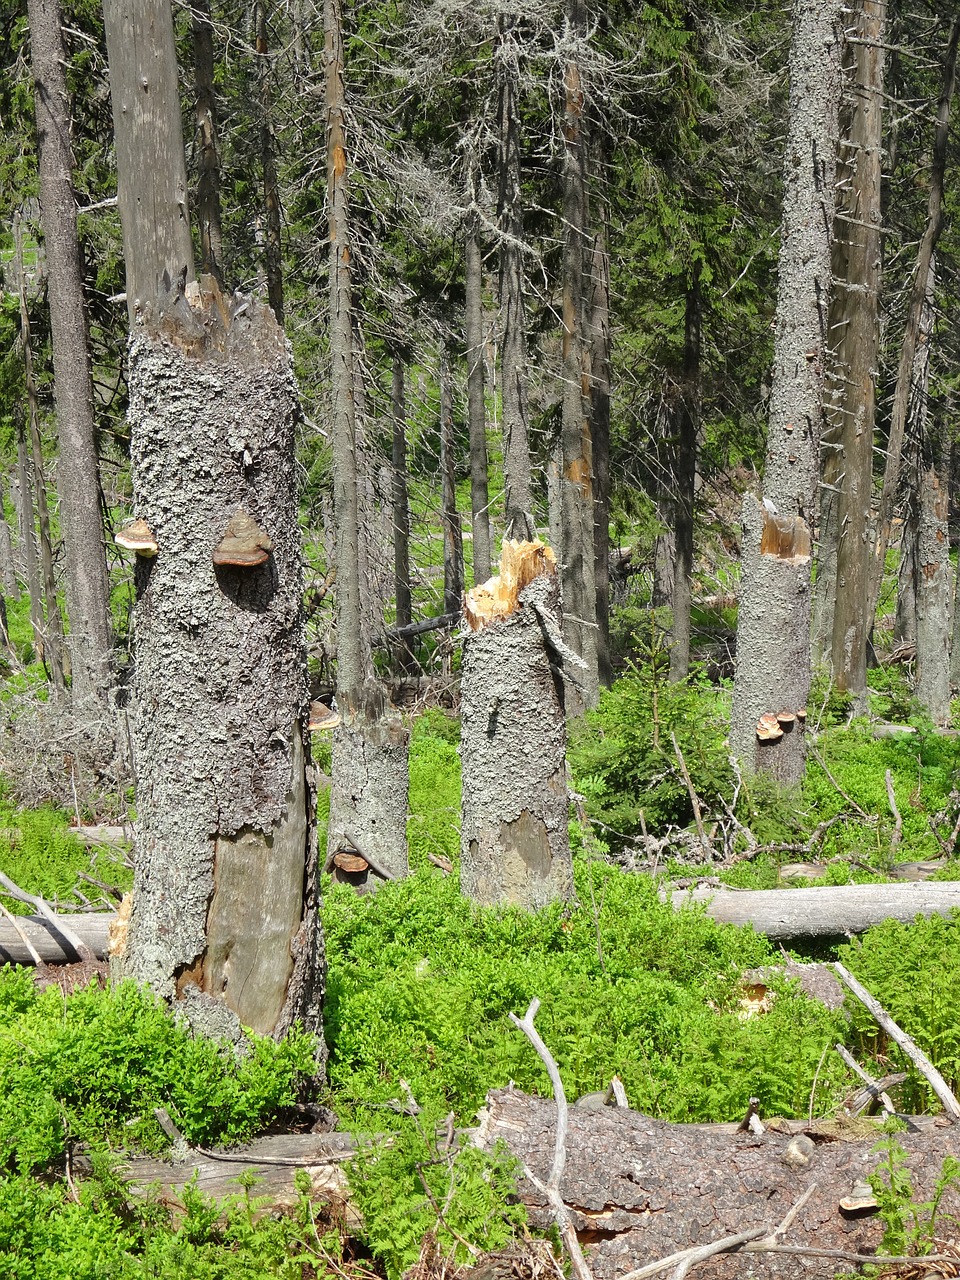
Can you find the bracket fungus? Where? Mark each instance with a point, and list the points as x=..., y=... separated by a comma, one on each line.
x=768, y=728
x=321, y=717
x=137, y=537
x=244, y=543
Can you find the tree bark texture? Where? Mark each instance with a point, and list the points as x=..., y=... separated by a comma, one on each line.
x=476, y=404
x=600, y=368
x=78, y=484
x=151, y=164
x=773, y=641
x=271, y=186
x=640, y=1189
x=773, y=630
x=514, y=846
x=854, y=340
x=401, y=512
x=225, y=890
x=901, y=395
x=208, y=182
x=828, y=912
x=685, y=477
x=518, y=493
x=368, y=795
x=452, y=531
x=934, y=578
x=8, y=574
x=577, y=550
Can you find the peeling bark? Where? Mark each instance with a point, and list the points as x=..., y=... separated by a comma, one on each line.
x=225, y=890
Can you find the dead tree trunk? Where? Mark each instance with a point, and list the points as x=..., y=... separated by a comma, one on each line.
x=901, y=395
x=639, y=1190
x=401, y=516
x=208, y=183
x=685, y=476
x=225, y=891
x=368, y=796
x=773, y=629
x=452, y=532
x=600, y=358
x=577, y=550
x=518, y=493
x=271, y=186
x=514, y=846
x=476, y=398
x=854, y=340
x=78, y=483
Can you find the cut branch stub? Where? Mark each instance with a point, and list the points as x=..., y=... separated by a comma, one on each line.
x=137, y=537
x=785, y=537
x=244, y=543
x=520, y=564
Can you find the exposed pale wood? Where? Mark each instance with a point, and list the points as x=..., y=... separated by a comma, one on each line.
x=520, y=563
x=822, y=912
x=50, y=940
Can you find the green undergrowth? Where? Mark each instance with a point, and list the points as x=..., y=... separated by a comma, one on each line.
x=40, y=853
x=420, y=983
x=91, y=1067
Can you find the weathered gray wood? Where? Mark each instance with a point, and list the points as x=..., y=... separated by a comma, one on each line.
x=151, y=163
x=827, y=912
x=639, y=1189
x=52, y=945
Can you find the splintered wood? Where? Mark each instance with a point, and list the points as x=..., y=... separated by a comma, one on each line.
x=786, y=537
x=497, y=598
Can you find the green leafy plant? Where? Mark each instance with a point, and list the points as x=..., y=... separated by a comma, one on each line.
x=909, y=1224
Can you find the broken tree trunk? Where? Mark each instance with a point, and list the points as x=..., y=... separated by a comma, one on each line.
x=640, y=1189
x=225, y=886
x=828, y=912
x=514, y=843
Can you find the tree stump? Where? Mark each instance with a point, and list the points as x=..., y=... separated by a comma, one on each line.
x=514, y=843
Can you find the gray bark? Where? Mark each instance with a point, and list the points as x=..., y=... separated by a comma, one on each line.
x=271, y=188
x=225, y=890
x=8, y=575
x=368, y=795
x=518, y=493
x=773, y=630
x=822, y=912
x=685, y=476
x=854, y=340
x=514, y=846
x=151, y=165
x=639, y=1189
x=87, y=589
x=934, y=592
x=577, y=548
x=401, y=513
x=208, y=183
x=600, y=358
x=901, y=395
x=476, y=405
x=452, y=532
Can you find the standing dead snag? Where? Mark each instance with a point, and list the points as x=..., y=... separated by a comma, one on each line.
x=514, y=844
x=225, y=883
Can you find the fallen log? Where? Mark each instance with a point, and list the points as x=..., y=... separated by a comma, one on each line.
x=49, y=937
x=640, y=1189
x=827, y=912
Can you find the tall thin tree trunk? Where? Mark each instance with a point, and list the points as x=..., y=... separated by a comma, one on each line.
x=208, y=183
x=773, y=629
x=368, y=798
x=687, y=425
x=27, y=532
x=518, y=493
x=452, y=533
x=476, y=403
x=901, y=395
x=271, y=187
x=148, y=138
x=600, y=367
x=8, y=575
x=78, y=484
x=401, y=513
x=854, y=337
x=49, y=631
x=577, y=549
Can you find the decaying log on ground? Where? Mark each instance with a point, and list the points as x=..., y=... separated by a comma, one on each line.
x=827, y=912
x=49, y=942
x=640, y=1189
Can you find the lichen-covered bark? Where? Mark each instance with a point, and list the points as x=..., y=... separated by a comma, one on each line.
x=514, y=846
x=639, y=1189
x=934, y=596
x=225, y=876
x=773, y=630
x=773, y=662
